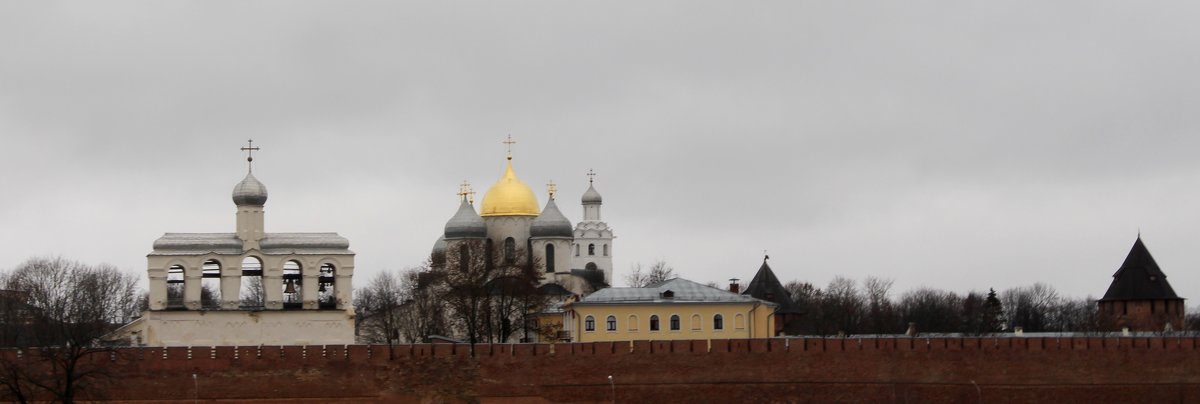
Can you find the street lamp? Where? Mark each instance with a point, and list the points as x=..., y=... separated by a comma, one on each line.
x=614, y=389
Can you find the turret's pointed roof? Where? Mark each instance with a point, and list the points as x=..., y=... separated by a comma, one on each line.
x=1139, y=278
x=766, y=286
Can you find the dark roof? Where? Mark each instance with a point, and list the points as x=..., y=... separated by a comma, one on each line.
x=1139, y=278
x=554, y=289
x=766, y=286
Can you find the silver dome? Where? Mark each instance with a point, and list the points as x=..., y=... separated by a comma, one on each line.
x=439, y=246
x=466, y=223
x=551, y=223
x=591, y=196
x=250, y=192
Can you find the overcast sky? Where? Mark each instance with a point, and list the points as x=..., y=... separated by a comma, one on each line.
x=960, y=145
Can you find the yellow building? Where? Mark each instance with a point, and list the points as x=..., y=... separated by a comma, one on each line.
x=672, y=309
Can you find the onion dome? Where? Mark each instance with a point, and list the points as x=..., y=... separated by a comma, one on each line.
x=509, y=197
x=465, y=223
x=250, y=192
x=551, y=223
x=439, y=246
x=591, y=196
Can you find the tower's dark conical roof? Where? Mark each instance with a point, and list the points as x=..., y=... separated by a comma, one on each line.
x=766, y=286
x=1139, y=278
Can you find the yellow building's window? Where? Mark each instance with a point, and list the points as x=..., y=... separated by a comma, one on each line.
x=633, y=323
x=695, y=322
x=589, y=324
x=654, y=323
x=611, y=323
x=739, y=322
x=718, y=322
x=674, y=322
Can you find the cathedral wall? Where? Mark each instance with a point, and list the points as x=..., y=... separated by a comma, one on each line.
x=901, y=369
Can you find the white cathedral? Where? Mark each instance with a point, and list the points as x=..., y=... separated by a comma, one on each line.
x=577, y=260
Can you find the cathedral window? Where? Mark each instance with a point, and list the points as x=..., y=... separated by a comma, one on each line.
x=577, y=250
x=510, y=250
x=326, y=295
x=674, y=322
x=654, y=323
x=718, y=322
x=210, y=285
x=292, y=285
x=252, y=295
x=464, y=257
x=611, y=323
x=591, y=266
x=606, y=250
x=175, y=286
x=591, y=249
x=549, y=257
x=589, y=323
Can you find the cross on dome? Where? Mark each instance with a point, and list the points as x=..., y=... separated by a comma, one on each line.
x=464, y=190
x=250, y=149
x=591, y=176
x=552, y=188
x=509, y=142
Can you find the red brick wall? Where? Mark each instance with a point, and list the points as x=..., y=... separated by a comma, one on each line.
x=798, y=370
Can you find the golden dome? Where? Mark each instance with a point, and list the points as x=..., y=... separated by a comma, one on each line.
x=509, y=197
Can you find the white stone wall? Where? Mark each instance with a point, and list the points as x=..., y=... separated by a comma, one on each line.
x=238, y=327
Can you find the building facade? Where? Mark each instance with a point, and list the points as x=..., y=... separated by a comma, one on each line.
x=676, y=309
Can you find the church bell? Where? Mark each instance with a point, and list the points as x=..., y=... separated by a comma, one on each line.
x=291, y=286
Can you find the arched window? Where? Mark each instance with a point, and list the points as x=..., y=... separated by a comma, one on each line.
x=252, y=294
x=292, y=285
x=611, y=323
x=591, y=266
x=326, y=296
x=739, y=322
x=606, y=250
x=589, y=323
x=654, y=323
x=718, y=322
x=549, y=257
x=695, y=322
x=591, y=249
x=175, y=286
x=510, y=250
x=577, y=250
x=464, y=258
x=674, y=322
x=210, y=285
x=633, y=322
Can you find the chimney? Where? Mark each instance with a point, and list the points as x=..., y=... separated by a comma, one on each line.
x=733, y=286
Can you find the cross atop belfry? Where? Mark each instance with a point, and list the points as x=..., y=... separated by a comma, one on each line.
x=552, y=188
x=591, y=176
x=250, y=149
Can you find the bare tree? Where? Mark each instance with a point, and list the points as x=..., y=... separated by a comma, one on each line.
x=658, y=272
x=842, y=307
x=881, y=314
x=67, y=307
x=424, y=310
x=1031, y=307
x=378, y=307
x=932, y=310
